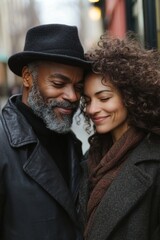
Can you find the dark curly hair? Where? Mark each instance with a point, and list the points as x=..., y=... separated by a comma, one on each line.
x=135, y=71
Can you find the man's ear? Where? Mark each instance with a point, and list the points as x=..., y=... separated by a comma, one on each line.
x=27, y=77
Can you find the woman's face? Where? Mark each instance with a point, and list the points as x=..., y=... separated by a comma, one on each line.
x=104, y=105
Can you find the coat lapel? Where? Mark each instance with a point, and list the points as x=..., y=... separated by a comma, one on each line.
x=130, y=186
x=42, y=169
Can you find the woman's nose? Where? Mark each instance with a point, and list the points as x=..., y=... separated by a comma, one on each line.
x=92, y=108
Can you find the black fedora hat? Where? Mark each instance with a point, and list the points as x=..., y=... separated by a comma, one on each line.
x=50, y=42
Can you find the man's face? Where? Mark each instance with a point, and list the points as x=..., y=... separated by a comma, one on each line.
x=55, y=93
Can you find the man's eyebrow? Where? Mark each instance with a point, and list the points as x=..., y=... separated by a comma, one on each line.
x=64, y=78
x=60, y=76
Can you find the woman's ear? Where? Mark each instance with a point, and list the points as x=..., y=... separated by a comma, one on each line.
x=27, y=77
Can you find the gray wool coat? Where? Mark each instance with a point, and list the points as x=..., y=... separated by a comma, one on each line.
x=130, y=209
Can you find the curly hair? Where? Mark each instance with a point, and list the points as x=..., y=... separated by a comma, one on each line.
x=135, y=72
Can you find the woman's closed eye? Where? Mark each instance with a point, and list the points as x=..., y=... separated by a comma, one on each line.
x=104, y=99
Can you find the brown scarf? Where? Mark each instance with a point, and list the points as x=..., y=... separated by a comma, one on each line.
x=103, y=173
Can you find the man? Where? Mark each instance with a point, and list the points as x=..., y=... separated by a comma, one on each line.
x=39, y=162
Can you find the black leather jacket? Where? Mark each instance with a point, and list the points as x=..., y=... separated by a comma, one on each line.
x=35, y=203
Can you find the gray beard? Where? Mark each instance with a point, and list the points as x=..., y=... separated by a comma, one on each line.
x=46, y=111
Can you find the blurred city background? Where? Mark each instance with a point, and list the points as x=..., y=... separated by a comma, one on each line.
x=92, y=17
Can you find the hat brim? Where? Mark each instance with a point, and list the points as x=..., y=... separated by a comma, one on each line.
x=17, y=61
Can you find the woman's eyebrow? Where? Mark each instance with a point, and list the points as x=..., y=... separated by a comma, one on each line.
x=99, y=92
x=102, y=91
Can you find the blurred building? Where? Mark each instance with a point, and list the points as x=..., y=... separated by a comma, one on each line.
x=139, y=16
x=16, y=16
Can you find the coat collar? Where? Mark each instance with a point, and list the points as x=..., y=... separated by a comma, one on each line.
x=130, y=186
x=18, y=130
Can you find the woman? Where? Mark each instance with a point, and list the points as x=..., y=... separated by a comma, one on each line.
x=122, y=99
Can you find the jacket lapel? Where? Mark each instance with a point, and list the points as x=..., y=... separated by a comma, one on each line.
x=119, y=200
x=42, y=169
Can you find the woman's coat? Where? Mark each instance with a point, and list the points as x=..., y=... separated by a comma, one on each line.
x=130, y=209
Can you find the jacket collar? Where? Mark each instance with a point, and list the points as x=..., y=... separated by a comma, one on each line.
x=120, y=198
x=17, y=128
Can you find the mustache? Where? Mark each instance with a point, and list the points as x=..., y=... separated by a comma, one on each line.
x=64, y=104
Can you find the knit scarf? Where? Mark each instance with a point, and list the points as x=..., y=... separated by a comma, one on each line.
x=103, y=173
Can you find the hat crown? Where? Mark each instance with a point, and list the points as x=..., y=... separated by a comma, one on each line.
x=54, y=38
x=50, y=42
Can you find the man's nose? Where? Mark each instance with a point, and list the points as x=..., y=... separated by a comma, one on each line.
x=71, y=95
